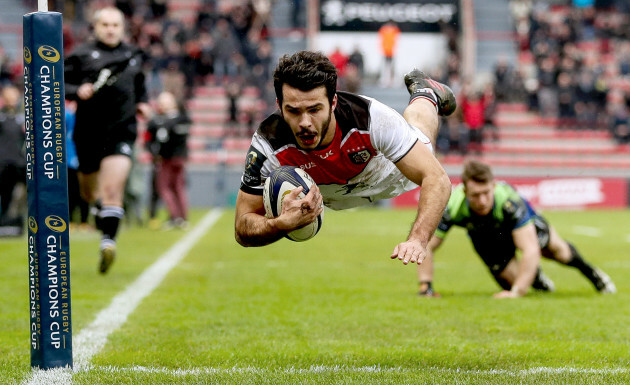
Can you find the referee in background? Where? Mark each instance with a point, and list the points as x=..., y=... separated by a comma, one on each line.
x=105, y=78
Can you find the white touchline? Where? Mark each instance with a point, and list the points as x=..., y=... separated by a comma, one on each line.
x=92, y=338
x=588, y=231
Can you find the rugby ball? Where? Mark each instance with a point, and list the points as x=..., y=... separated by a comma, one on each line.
x=280, y=183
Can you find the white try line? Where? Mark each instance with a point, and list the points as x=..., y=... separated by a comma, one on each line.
x=92, y=339
x=352, y=369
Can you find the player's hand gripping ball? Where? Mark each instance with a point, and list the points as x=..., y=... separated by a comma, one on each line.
x=280, y=183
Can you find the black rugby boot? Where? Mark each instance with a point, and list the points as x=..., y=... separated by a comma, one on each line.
x=418, y=82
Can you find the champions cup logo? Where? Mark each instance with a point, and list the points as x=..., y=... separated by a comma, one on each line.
x=251, y=159
x=32, y=225
x=27, y=55
x=48, y=53
x=55, y=223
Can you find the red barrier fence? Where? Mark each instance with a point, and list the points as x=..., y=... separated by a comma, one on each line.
x=555, y=193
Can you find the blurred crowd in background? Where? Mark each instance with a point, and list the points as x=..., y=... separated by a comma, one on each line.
x=573, y=69
x=576, y=63
x=226, y=42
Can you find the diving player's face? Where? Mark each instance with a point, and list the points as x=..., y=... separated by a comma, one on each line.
x=310, y=116
x=480, y=196
x=109, y=28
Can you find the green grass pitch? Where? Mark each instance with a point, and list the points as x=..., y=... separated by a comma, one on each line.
x=336, y=310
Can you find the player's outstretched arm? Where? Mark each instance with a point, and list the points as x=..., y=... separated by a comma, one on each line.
x=526, y=240
x=252, y=228
x=421, y=167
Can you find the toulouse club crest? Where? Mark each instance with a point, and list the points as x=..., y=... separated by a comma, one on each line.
x=360, y=157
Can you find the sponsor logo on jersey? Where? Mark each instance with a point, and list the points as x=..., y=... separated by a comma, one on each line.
x=308, y=165
x=360, y=157
x=251, y=159
x=326, y=155
x=253, y=165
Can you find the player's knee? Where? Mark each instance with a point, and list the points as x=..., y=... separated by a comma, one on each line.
x=558, y=249
x=112, y=194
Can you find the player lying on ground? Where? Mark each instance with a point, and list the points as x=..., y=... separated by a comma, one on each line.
x=356, y=149
x=499, y=222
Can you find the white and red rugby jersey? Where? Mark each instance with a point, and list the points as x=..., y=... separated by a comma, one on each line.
x=357, y=168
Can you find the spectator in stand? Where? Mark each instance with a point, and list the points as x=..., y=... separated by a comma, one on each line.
x=473, y=107
x=502, y=79
x=233, y=92
x=356, y=58
x=158, y=8
x=6, y=76
x=456, y=134
x=352, y=80
x=168, y=131
x=205, y=64
x=241, y=19
x=207, y=16
x=354, y=71
x=174, y=81
x=261, y=71
x=520, y=92
x=621, y=128
x=520, y=10
x=226, y=43
x=262, y=17
x=619, y=112
x=12, y=158
x=624, y=58
x=339, y=60
x=154, y=194
x=388, y=34
x=547, y=89
x=586, y=96
x=489, y=111
x=566, y=101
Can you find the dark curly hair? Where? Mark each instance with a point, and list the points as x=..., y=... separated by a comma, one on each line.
x=305, y=70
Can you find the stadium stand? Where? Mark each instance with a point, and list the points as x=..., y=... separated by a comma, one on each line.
x=547, y=120
x=213, y=139
x=527, y=141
